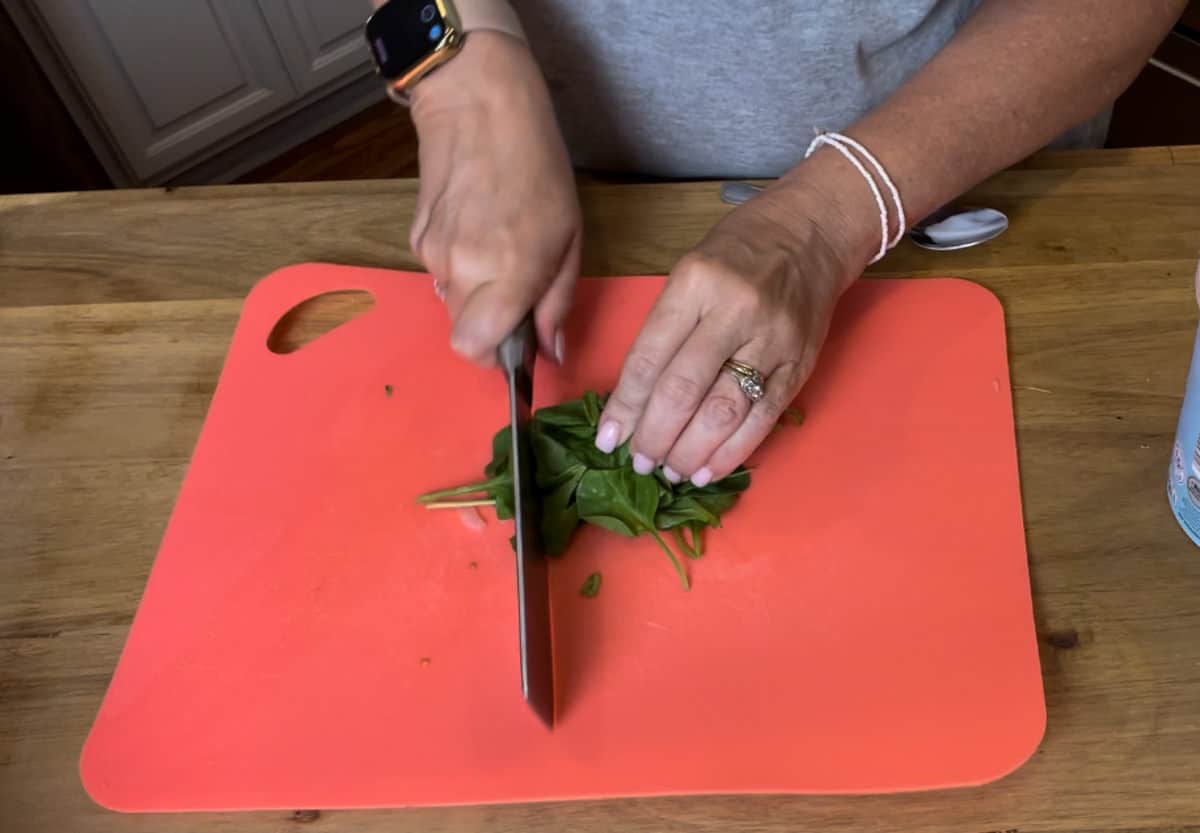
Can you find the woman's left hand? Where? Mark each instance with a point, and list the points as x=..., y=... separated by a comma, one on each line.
x=760, y=288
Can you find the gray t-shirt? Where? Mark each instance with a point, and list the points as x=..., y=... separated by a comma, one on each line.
x=721, y=88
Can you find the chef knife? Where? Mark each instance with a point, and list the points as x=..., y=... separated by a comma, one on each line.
x=516, y=356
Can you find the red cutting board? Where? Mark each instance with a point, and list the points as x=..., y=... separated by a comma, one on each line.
x=310, y=637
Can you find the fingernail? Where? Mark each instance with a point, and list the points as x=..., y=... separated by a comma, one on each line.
x=642, y=464
x=672, y=475
x=606, y=439
x=560, y=347
x=702, y=478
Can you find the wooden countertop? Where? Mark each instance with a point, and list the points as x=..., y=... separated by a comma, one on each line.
x=115, y=313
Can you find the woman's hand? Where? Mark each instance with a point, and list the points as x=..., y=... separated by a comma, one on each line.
x=760, y=288
x=497, y=222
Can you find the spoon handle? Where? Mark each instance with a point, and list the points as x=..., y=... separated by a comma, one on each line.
x=736, y=193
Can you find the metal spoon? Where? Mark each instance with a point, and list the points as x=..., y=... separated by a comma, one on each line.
x=736, y=193
x=949, y=228
x=946, y=230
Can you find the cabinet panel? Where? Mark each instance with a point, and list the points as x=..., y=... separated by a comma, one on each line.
x=157, y=66
x=170, y=78
x=320, y=39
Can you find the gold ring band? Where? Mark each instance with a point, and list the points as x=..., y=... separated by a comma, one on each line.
x=751, y=382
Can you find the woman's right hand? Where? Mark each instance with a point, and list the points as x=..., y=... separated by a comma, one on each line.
x=497, y=222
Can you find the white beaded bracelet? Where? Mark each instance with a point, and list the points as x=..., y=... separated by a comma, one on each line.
x=844, y=145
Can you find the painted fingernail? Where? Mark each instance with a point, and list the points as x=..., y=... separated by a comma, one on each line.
x=702, y=478
x=672, y=475
x=560, y=347
x=606, y=439
x=642, y=464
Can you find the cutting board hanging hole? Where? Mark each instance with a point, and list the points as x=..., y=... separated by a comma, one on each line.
x=315, y=317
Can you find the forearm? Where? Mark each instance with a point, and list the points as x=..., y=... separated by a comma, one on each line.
x=1017, y=75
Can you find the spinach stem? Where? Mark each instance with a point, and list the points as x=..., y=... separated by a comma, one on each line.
x=458, y=491
x=459, y=504
x=683, y=579
x=687, y=549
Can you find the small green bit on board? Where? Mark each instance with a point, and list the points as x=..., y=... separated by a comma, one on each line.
x=790, y=417
x=591, y=587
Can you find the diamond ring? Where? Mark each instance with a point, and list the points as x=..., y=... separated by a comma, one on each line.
x=749, y=379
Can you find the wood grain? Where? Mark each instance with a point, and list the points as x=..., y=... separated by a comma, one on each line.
x=1189, y=155
x=1114, y=158
x=115, y=314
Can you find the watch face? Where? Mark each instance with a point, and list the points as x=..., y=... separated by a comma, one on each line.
x=402, y=32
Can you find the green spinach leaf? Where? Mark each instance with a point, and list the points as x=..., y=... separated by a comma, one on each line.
x=592, y=406
x=591, y=587
x=577, y=483
x=686, y=509
x=560, y=516
x=501, y=454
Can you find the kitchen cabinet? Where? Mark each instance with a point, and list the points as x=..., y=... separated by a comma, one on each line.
x=164, y=85
x=320, y=39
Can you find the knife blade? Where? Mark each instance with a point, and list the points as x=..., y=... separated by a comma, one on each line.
x=516, y=356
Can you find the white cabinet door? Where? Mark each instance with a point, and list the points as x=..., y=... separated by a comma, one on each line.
x=170, y=79
x=321, y=40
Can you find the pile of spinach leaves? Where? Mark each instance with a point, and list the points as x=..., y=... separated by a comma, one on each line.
x=578, y=483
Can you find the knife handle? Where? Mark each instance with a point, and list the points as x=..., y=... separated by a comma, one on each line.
x=519, y=347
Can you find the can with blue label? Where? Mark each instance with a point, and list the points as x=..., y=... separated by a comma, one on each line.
x=1183, y=480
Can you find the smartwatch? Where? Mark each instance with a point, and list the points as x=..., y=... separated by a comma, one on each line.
x=408, y=39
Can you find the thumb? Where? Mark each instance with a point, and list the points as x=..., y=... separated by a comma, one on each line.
x=487, y=315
